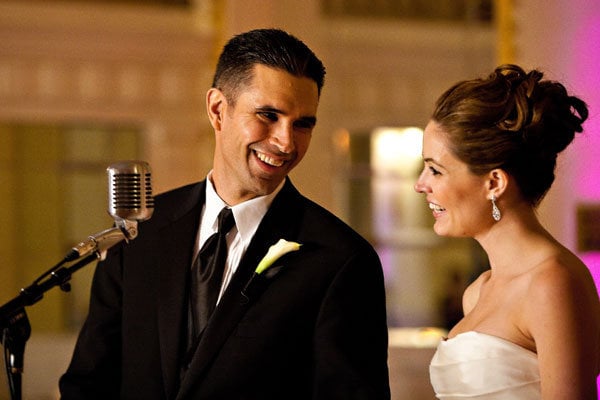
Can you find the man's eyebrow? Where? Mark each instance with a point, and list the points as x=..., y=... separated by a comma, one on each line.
x=268, y=109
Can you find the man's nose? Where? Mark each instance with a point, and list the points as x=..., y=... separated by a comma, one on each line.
x=283, y=138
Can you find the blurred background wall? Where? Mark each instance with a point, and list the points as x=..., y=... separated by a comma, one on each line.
x=84, y=83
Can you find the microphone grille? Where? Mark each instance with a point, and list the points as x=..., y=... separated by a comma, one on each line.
x=130, y=190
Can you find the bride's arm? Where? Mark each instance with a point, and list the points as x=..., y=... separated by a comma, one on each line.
x=561, y=314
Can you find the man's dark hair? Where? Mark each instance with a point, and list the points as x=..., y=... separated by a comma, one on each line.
x=270, y=47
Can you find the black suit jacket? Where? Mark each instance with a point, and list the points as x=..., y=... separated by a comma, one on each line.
x=316, y=329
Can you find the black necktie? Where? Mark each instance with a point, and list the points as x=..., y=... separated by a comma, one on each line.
x=207, y=273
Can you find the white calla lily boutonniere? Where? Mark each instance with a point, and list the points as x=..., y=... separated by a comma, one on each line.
x=260, y=276
x=275, y=252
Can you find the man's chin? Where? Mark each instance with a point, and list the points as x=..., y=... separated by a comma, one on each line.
x=266, y=186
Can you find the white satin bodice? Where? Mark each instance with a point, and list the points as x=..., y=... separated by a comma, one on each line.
x=475, y=365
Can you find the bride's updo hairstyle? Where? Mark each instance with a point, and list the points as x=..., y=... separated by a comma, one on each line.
x=514, y=121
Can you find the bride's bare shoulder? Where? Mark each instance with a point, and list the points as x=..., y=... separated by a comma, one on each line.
x=559, y=278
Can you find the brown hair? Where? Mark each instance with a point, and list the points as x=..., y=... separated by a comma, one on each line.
x=511, y=120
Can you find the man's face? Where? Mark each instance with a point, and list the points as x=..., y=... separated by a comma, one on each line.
x=264, y=136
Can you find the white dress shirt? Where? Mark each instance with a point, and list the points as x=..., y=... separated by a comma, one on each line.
x=247, y=218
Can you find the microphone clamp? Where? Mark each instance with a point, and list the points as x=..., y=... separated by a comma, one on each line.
x=102, y=241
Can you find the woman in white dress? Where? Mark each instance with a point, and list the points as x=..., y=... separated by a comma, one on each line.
x=531, y=325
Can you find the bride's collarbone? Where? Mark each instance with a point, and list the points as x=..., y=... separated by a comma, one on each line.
x=496, y=313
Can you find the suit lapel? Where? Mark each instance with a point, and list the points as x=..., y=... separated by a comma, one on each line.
x=179, y=234
x=281, y=221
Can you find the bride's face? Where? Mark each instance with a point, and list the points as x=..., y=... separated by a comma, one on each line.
x=456, y=196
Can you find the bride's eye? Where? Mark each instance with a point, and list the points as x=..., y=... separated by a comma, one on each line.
x=434, y=171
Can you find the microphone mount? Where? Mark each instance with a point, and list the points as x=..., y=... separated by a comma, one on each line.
x=102, y=241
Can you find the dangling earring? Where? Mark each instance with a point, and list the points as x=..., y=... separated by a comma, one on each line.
x=496, y=214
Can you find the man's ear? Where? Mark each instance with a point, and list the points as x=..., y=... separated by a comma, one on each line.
x=497, y=182
x=215, y=105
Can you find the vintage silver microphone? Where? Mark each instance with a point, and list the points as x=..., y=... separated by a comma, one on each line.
x=129, y=201
x=130, y=191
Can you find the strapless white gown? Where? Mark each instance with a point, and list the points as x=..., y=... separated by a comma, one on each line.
x=474, y=365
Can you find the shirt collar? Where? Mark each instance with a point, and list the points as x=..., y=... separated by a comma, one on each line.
x=248, y=214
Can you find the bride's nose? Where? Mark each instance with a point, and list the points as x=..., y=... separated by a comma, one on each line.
x=420, y=185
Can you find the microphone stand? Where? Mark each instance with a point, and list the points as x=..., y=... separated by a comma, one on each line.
x=14, y=324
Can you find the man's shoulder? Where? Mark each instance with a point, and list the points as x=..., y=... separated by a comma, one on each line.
x=323, y=223
x=174, y=203
x=178, y=192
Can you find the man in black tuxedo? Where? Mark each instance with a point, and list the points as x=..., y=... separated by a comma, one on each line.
x=312, y=326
